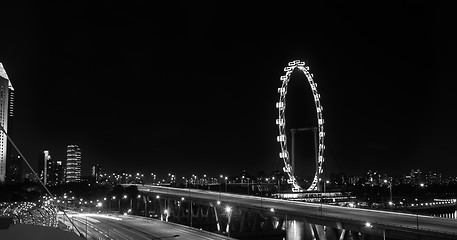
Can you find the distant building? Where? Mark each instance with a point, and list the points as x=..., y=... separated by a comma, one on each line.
x=373, y=178
x=416, y=177
x=6, y=110
x=30, y=177
x=433, y=178
x=407, y=180
x=73, y=170
x=44, y=166
x=96, y=172
x=55, y=173
x=51, y=172
x=13, y=166
x=354, y=180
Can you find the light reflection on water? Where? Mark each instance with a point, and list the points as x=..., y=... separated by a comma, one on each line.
x=295, y=229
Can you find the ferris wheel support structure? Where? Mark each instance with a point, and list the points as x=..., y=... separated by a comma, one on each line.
x=281, y=122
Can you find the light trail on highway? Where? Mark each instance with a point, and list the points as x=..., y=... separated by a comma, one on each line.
x=109, y=227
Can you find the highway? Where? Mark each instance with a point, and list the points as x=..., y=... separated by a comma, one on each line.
x=375, y=218
x=111, y=227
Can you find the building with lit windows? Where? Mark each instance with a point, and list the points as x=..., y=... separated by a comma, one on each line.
x=6, y=109
x=416, y=176
x=51, y=171
x=96, y=172
x=433, y=178
x=44, y=166
x=73, y=169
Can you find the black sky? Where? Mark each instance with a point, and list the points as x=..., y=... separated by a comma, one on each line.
x=191, y=88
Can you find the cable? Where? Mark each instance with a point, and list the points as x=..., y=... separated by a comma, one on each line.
x=36, y=176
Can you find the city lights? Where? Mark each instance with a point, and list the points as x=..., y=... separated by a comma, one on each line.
x=228, y=209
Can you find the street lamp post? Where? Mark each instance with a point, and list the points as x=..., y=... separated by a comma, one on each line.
x=138, y=204
x=131, y=203
x=220, y=183
x=119, y=203
x=390, y=188
x=248, y=179
x=112, y=198
x=391, y=203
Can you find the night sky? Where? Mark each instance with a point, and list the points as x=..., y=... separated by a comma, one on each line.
x=190, y=88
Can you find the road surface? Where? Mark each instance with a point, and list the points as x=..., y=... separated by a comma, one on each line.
x=113, y=227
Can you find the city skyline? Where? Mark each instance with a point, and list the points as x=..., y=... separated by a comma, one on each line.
x=194, y=87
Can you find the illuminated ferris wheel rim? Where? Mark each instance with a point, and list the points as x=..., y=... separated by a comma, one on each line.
x=281, y=122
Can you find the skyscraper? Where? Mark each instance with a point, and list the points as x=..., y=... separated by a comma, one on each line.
x=59, y=175
x=44, y=166
x=13, y=160
x=6, y=108
x=96, y=172
x=73, y=173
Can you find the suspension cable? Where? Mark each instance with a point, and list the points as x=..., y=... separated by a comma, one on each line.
x=37, y=177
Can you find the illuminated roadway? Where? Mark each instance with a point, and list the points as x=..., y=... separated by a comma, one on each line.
x=394, y=221
x=102, y=227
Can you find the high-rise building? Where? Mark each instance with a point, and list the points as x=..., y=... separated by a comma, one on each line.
x=73, y=170
x=13, y=160
x=45, y=167
x=59, y=173
x=13, y=166
x=55, y=173
x=96, y=172
x=416, y=176
x=433, y=178
x=6, y=109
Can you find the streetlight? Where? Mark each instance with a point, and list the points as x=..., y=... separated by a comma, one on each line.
x=391, y=203
x=138, y=203
x=112, y=198
x=220, y=183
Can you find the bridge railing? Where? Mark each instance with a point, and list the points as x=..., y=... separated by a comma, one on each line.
x=263, y=202
x=400, y=227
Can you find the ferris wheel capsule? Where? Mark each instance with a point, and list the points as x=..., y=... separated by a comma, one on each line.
x=280, y=105
x=284, y=154
x=281, y=138
x=280, y=121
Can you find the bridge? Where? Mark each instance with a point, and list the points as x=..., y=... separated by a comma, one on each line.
x=242, y=215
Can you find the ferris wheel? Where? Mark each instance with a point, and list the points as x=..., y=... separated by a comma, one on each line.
x=281, y=122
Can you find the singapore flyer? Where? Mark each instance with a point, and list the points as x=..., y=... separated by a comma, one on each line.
x=281, y=122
